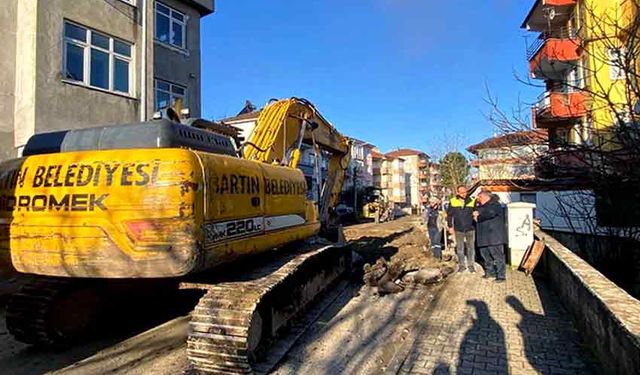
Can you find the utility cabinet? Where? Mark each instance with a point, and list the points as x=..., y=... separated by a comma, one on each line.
x=520, y=230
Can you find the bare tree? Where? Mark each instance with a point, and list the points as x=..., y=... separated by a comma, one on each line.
x=600, y=149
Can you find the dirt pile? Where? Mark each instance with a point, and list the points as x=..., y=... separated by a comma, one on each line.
x=396, y=254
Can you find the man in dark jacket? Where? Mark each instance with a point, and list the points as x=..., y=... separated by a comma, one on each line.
x=460, y=222
x=434, y=222
x=491, y=234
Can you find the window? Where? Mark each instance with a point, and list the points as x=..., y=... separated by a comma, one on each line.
x=95, y=59
x=616, y=63
x=171, y=26
x=167, y=93
x=622, y=118
x=562, y=136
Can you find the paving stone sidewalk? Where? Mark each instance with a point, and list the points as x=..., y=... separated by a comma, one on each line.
x=478, y=326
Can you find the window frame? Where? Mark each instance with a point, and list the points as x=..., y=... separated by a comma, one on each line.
x=87, y=47
x=616, y=63
x=171, y=93
x=183, y=23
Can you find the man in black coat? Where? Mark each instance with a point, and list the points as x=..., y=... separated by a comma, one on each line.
x=491, y=234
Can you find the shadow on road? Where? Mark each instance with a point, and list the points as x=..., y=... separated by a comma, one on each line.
x=547, y=337
x=129, y=317
x=360, y=329
x=485, y=338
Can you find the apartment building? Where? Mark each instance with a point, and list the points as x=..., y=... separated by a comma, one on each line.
x=377, y=159
x=394, y=181
x=436, y=187
x=389, y=175
x=586, y=53
x=509, y=156
x=579, y=52
x=416, y=170
x=360, y=171
x=70, y=64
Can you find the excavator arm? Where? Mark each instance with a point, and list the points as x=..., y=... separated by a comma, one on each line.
x=281, y=129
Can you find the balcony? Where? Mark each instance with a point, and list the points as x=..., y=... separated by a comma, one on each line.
x=558, y=108
x=554, y=53
x=564, y=164
x=549, y=13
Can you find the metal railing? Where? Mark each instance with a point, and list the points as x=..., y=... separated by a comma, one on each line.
x=544, y=101
x=556, y=33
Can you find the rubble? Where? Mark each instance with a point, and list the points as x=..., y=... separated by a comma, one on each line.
x=399, y=258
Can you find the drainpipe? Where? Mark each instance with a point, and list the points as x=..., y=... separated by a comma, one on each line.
x=143, y=62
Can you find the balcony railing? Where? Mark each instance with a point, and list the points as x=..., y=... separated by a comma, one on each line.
x=564, y=163
x=561, y=105
x=543, y=102
x=559, y=33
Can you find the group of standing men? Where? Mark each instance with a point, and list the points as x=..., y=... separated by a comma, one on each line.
x=472, y=222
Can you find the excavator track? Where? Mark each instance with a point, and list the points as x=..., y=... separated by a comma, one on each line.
x=39, y=313
x=236, y=320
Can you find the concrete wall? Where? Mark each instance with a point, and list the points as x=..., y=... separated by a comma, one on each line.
x=182, y=67
x=618, y=258
x=607, y=316
x=35, y=97
x=205, y=5
x=8, y=17
x=62, y=105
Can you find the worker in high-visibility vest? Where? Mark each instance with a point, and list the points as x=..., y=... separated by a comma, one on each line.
x=461, y=224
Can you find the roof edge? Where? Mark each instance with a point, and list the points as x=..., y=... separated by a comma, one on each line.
x=524, y=23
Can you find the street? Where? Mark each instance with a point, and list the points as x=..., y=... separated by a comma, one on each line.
x=352, y=329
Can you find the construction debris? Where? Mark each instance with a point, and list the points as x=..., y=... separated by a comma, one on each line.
x=399, y=258
x=392, y=277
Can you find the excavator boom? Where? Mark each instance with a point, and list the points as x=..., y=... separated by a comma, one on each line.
x=283, y=126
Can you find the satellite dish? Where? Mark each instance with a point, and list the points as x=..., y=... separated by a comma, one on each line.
x=550, y=13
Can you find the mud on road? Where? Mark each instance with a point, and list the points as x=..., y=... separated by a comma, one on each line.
x=355, y=331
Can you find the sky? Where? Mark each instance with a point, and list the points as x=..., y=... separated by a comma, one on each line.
x=395, y=73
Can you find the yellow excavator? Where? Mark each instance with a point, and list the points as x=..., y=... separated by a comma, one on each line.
x=171, y=200
x=375, y=205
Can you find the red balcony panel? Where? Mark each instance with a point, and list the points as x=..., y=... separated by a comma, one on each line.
x=554, y=57
x=557, y=106
x=569, y=105
x=559, y=3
